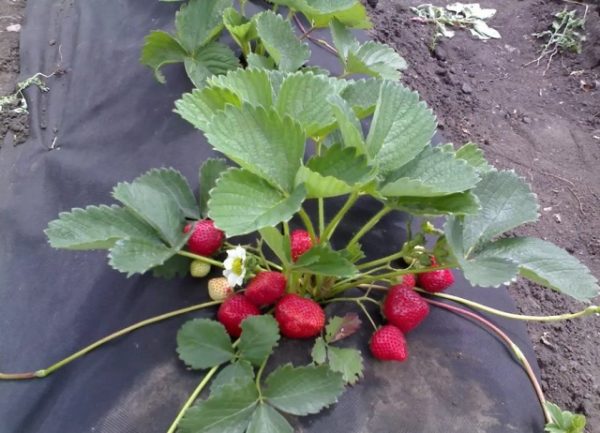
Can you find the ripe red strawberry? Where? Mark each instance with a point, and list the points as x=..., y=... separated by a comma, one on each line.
x=266, y=288
x=300, y=243
x=435, y=281
x=206, y=238
x=404, y=308
x=299, y=317
x=408, y=280
x=233, y=311
x=388, y=344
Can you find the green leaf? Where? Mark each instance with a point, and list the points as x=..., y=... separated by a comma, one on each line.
x=348, y=123
x=204, y=343
x=239, y=372
x=336, y=172
x=486, y=272
x=267, y=420
x=303, y=97
x=471, y=153
x=210, y=171
x=376, y=59
x=176, y=266
x=319, y=186
x=431, y=174
x=260, y=335
x=251, y=85
x=402, y=126
x=546, y=264
x=155, y=198
x=96, y=227
x=462, y=203
x=371, y=58
x=242, y=202
x=277, y=242
x=362, y=95
x=136, y=256
x=349, y=12
x=349, y=362
x=174, y=185
x=343, y=39
x=198, y=22
x=303, y=390
x=322, y=260
x=229, y=410
x=346, y=164
x=241, y=29
x=564, y=421
x=506, y=202
x=277, y=36
x=212, y=59
x=253, y=137
x=160, y=48
x=260, y=62
x=199, y=106
x=354, y=252
x=319, y=351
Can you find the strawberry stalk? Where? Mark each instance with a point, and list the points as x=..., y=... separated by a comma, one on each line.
x=511, y=345
x=192, y=398
x=360, y=302
x=308, y=224
x=369, y=225
x=330, y=229
x=362, y=279
x=384, y=260
x=201, y=258
x=47, y=371
x=205, y=380
x=592, y=309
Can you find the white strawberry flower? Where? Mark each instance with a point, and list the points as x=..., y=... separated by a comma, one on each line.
x=235, y=266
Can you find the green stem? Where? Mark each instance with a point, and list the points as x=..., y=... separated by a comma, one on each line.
x=328, y=232
x=192, y=398
x=243, y=7
x=259, y=376
x=348, y=284
x=593, y=309
x=512, y=346
x=47, y=371
x=350, y=299
x=369, y=225
x=196, y=393
x=383, y=260
x=359, y=302
x=308, y=224
x=321, y=204
x=201, y=258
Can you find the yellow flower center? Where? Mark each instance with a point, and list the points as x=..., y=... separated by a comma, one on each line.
x=238, y=266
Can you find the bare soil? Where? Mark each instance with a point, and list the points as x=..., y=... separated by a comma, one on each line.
x=544, y=126
x=14, y=127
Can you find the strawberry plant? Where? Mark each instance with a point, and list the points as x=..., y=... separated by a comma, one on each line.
x=293, y=134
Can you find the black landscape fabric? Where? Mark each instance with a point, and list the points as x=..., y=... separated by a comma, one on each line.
x=108, y=120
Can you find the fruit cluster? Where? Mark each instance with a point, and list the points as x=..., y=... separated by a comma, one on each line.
x=300, y=317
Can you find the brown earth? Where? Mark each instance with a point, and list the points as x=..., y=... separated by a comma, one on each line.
x=546, y=128
x=13, y=127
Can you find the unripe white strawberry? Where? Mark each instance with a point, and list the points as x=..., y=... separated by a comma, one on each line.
x=219, y=289
x=199, y=269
